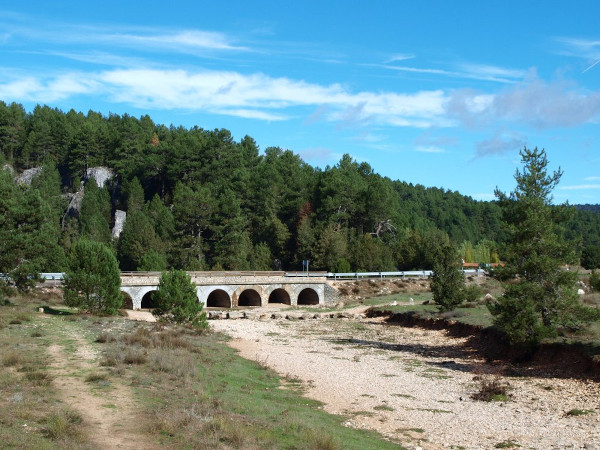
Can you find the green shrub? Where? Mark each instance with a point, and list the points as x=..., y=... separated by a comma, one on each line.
x=590, y=257
x=579, y=412
x=448, y=281
x=63, y=425
x=595, y=281
x=96, y=377
x=472, y=293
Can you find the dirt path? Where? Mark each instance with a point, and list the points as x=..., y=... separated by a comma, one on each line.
x=109, y=412
x=416, y=385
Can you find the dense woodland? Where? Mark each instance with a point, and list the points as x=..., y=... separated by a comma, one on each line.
x=198, y=200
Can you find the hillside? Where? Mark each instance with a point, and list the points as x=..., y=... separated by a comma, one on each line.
x=197, y=199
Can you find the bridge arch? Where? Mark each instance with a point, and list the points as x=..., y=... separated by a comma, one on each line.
x=218, y=298
x=308, y=296
x=148, y=300
x=280, y=295
x=249, y=297
x=136, y=294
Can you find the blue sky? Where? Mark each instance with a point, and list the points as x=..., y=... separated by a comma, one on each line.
x=436, y=93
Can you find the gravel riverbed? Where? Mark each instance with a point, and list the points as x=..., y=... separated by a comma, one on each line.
x=416, y=385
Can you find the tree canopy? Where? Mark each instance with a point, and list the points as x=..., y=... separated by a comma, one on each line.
x=197, y=199
x=544, y=296
x=93, y=281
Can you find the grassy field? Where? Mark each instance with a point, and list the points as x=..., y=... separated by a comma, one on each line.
x=31, y=415
x=189, y=390
x=477, y=314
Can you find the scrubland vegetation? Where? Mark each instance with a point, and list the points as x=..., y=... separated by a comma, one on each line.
x=190, y=390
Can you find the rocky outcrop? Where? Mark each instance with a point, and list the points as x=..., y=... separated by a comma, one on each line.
x=28, y=175
x=8, y=168
x=100, y=174
x=74, y=206
x=120, y=217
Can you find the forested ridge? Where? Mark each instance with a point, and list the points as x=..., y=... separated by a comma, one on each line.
x=199, y=200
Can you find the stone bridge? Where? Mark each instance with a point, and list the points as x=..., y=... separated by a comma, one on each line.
x=231, y=289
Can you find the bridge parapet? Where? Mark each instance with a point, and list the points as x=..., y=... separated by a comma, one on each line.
x=211, y=278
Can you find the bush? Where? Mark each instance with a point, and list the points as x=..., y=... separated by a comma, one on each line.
x=448, y=281
x=176, y=300
x=472, y=293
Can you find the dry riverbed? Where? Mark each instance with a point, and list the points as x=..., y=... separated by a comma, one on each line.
x=416, y=384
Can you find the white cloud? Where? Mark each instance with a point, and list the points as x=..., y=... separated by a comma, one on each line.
x=399, y=57
x=220, y=91
x=468, y=71
x=22, y=89
x=580, y=48
x=429, y=149
x=257, y=95
x=191, y=41
x=586, y=49
x=252, y=114
x=535, y=102
x=184, y=41
x=579, y=187
x=47, y=91
x=492, y=73
x=592, y=178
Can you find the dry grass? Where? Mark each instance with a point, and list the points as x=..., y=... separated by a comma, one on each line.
x=12, y=358
x=38, y=377
x=105, y=337
x=321, y=440
x=134, y=356
x=181, y=364
x=64, y=424
x=165, y=339
x=96, y=377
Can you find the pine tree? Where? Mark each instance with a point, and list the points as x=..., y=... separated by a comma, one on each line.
x=135, y=196
x=192, y=210
x=544, y=296
x=93, y=280
x=261, y=257
x=94, y=217
x=137, y=239
x=176, y=299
